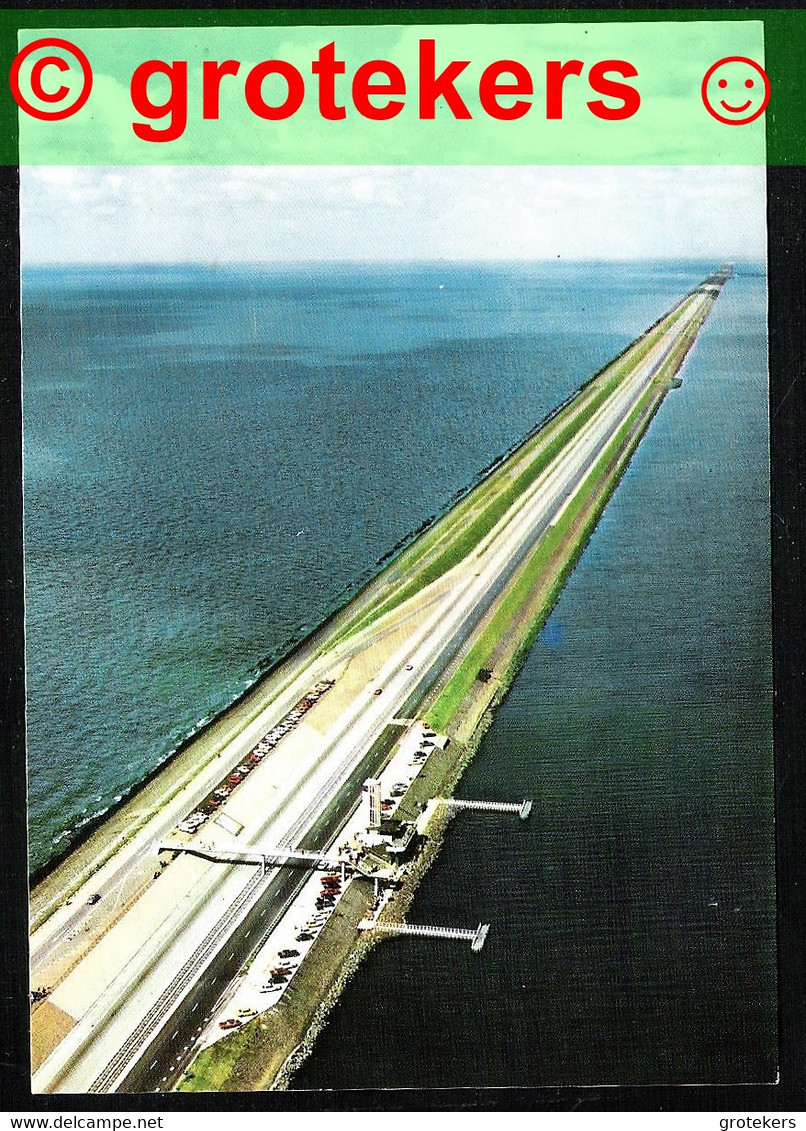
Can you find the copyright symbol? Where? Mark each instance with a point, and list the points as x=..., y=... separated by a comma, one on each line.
x=42, y=77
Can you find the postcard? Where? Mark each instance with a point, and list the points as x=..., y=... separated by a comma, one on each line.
x=398, y=621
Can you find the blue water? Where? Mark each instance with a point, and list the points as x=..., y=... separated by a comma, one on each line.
x=632, y=919
x=216, y=459
x=182, y=426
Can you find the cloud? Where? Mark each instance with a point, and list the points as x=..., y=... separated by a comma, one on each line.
x=239, y=214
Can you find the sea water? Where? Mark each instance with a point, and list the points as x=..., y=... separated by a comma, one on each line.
x=215, y=459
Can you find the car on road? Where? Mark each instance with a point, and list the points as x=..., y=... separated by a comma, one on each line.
x=409, y=667
x=288, y=954
x=93, y=899
x=304, y=936
x=378, y=691
x=246, y=1011
x=230, y=1023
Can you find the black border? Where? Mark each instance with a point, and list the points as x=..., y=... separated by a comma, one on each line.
x=787, y=297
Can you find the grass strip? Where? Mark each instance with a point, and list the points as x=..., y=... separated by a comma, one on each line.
x=213, y=1067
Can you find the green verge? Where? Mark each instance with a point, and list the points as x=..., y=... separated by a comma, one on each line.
x=608, y=465
x=213, y=1067
x=500, y=490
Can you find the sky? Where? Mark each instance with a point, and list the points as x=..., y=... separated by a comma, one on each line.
x=284, y=214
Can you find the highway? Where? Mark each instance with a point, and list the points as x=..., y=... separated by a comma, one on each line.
x=134, y=1032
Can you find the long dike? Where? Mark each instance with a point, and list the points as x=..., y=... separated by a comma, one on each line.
x=100, y=840
x=456, y=699
x=461, y=703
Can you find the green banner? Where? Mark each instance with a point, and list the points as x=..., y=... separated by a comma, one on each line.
x=432, y=88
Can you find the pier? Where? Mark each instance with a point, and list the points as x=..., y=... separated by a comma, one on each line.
x=522, y=808
x=476, y=937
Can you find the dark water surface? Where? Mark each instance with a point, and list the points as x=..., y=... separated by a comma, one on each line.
x=216, y=459
x=633, y=933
